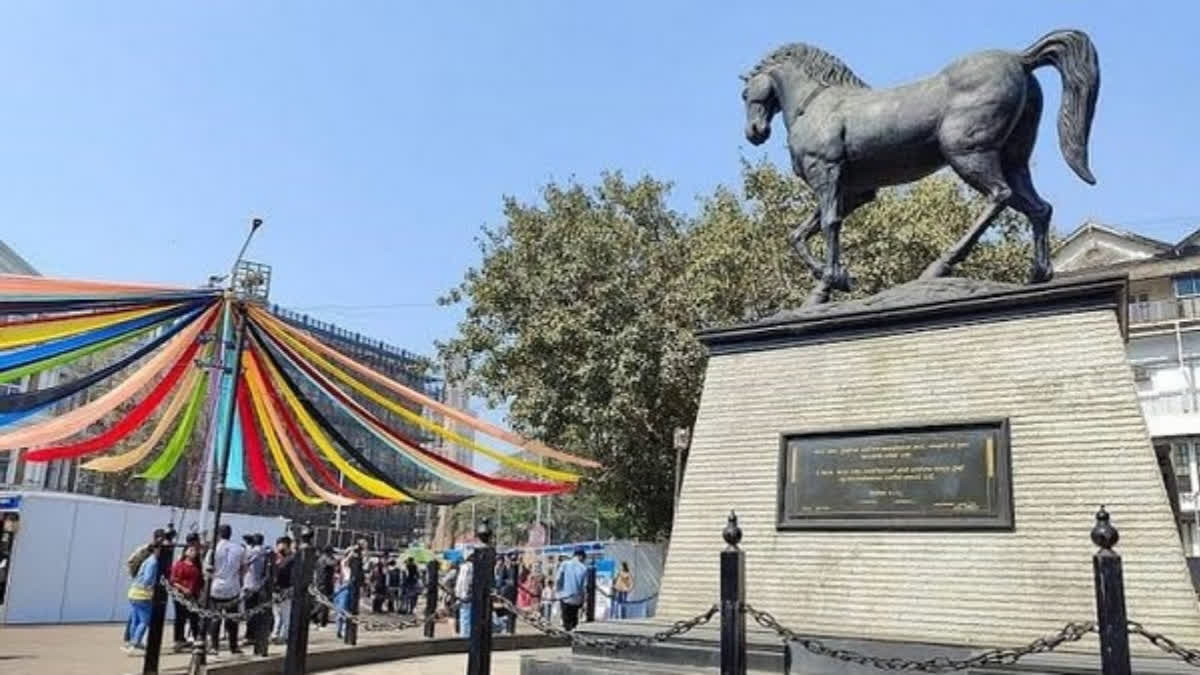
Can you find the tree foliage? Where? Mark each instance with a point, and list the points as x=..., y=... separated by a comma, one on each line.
x=582, y=312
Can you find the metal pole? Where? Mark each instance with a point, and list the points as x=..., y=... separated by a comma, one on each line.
x=1111, y=621
x=431, y=596
x=479, y=654
x=733, y=597
x=295, y=661
x=198, y=653
x=158, y=611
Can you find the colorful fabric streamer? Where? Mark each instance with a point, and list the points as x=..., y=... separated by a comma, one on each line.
x=164, y=464
x=482, y=426
x=21, y=334
x=268, y=432
x=130, y=459
x=28, y=355
x=80, y=418
x=41, y=397
x=424, y=423
x=434, y=463
x=324, y=431
x=16, y=284
x=127, y=424
x=260, y=475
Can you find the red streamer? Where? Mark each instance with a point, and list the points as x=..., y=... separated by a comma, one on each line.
x=260, y=475
x=301, y=440
x=531, y=487
x=136, y=417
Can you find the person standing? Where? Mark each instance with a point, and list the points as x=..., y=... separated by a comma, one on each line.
x=622, y=587
x=141, y=594
x=255, y=593
x=188, y=582
x=285, y=567
x=508, y=590
x=572, y=587
x=450, y=581
x=409, y=585
x=395, y=603
x=378, y=583
x=462, y=591
x=228, y=565
x=326, y=573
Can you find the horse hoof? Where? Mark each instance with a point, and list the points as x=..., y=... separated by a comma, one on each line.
x=1041, y=274
x=839, y=279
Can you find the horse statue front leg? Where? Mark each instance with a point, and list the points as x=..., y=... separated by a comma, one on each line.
x=799, y=240
x=834, y=275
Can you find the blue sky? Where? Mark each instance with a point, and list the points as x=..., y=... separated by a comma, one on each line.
x=376, y=137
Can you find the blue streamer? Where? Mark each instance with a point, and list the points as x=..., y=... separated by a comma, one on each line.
x=20, y=357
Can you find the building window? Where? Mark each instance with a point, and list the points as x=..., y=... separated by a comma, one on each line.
x=1182, y=466
x=1187, y=285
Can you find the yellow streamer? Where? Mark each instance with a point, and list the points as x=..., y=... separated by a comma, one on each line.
x=280, y=445
x=25, y=334
x=482, y=426
x=128, y=460
x=447, y=472
x=507, y=460
x=365, y=481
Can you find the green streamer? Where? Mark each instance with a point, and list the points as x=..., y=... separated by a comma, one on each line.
x=39, y=366
x=165, y=462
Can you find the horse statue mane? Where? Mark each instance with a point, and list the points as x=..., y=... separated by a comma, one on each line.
x=818, y=64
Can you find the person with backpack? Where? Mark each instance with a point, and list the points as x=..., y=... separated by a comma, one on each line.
x=133, y=564
x=141, y=593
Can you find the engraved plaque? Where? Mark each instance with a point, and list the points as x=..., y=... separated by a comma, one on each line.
x=953, y=476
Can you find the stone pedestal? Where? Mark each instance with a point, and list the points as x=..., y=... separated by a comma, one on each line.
x=1046, y=362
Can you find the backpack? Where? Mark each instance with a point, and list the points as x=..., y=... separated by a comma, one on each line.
x=136, y=559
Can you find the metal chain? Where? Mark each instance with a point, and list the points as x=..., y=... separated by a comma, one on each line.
x=370, y=622
x=608, y=643
x=1188, y=656
x=217, y=614
x=1071, y=632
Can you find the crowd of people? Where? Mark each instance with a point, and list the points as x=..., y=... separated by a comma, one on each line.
x=241, y=578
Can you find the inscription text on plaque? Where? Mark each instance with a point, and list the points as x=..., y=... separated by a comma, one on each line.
x=953, y=476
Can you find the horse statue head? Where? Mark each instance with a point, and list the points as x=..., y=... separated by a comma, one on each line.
x=778, y=79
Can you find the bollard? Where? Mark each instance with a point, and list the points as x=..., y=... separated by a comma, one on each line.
x=589, y=605
x=295, y=661
x=356, y=579
x=1111, y=621
x=733, y=597
x=483, y=564
x=431, y=596
x=158, y=607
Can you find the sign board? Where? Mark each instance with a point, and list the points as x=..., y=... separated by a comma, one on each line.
x=10, y=503
x=954, y=476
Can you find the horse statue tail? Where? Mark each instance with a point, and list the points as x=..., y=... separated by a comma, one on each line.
x=1072, y=53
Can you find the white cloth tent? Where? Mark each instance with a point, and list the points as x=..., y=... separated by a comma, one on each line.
x=68, y=555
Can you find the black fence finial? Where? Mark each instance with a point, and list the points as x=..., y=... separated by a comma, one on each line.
x=732, y=533
x=1104, y=534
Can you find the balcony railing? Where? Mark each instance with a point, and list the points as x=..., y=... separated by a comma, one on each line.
x=1158, y=311
x=1169, y=403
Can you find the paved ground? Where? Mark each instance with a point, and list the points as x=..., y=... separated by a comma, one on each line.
x=503, y=663
x=95, y=649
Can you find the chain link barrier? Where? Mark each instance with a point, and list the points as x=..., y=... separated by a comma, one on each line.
x=222, y=615
x=1188, y=656
x=607, y=643
x=1071, y=632
x=375, y=622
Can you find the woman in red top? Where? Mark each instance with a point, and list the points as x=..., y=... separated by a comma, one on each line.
x=188, y=581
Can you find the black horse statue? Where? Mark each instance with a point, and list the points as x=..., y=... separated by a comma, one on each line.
x=979, y=115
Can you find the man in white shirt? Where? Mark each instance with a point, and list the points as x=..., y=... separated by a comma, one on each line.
x=228, y=564
x=462, y=589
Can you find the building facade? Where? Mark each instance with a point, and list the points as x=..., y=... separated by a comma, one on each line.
x=1163, y=348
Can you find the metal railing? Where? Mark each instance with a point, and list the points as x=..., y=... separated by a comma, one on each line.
x=1160, y=311
x=1160, y=404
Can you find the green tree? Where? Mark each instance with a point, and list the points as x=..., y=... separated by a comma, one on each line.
x=582, y=313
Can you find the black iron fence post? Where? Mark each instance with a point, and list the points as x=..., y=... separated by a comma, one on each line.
x=295, y=662
x=1111, y=621
x=431, y=596
x=483, y=563
x=589, y=612
x=158, y=608
x=733, y=598
x=356, y=579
